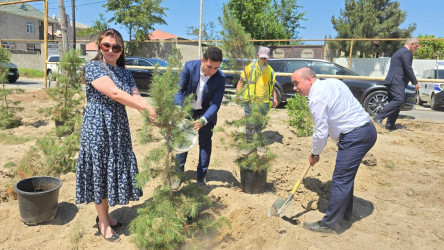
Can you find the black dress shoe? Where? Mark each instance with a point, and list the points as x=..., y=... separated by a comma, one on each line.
x=378, y=122
x=114, y=227
x=113, y=238
x=318, y=226
x=391, y=128
x=201, y=182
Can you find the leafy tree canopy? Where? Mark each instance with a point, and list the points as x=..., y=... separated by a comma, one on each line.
x=209, y=32
x=94, y=31
x=268, y=19
x=430, y=49
x=138, y=16
x=371, y=19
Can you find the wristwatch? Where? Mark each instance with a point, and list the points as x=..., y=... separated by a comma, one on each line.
x=312, y=155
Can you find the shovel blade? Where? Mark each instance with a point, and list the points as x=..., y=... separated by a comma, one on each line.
x=273, y=211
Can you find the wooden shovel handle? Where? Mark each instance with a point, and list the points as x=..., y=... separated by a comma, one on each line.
x=301, y=178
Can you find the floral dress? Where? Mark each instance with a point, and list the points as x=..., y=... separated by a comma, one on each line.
x=107, y=166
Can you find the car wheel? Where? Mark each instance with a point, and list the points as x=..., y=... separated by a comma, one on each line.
x=278, y=96
x=433, y=103
x=12, y=79
x=49, y=78
x=375, y=101
x=418, y=99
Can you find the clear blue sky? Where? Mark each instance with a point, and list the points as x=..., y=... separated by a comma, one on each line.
x=182, y=13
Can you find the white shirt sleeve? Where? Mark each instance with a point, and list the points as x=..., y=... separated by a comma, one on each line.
x=318, y=109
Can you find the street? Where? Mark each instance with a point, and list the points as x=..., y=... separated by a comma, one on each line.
x=418, y=113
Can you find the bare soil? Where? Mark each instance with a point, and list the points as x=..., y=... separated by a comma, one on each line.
x=398, y=203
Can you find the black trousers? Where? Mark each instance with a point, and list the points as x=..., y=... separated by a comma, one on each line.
x=396, y=97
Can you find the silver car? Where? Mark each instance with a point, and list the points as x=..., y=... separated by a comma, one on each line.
x=430, y=92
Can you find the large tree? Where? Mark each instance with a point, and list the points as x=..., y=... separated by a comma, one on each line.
x=138, y=16
x=371, y=19
x=268, y=19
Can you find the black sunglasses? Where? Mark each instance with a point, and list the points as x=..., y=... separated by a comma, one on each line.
x=115, y=48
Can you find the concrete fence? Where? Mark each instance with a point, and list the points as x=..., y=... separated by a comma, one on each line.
x=378, y=67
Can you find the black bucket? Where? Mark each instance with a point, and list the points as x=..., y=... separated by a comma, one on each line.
x=253, y=182
x=38, y=198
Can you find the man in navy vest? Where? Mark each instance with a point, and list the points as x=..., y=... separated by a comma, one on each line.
x=203, y=79
x=399, y=75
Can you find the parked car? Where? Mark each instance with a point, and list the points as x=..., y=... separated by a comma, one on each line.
x=371, y=94
x=432, y=92
x=143, y=76
x=13, y=73
x=53, y=67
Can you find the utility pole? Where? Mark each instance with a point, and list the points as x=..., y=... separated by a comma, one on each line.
x=64, y=27
x=200, y=30
x=73, y=12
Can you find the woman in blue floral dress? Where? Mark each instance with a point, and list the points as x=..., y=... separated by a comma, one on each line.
x=107, y=167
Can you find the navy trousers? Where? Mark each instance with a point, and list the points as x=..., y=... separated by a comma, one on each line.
x=352, y=148
x=205, y=145
x=396, y=97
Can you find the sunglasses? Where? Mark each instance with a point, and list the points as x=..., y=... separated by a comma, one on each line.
x=115, y=48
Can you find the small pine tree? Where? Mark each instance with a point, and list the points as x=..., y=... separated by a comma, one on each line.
x=171, y=217
x=67, y=95
x=236, y=44
x=300, y=117
x=55, y=153
x=8, y=108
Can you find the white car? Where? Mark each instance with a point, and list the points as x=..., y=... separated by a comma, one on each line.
x=432, y=92
x=52, y=67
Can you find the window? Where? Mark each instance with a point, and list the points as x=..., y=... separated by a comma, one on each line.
x=8, y=45
x=29, y=27
x=295, y=65
x=129, y=61
x=324, y=68
x=144, y=63
x=54, y=59
x=440, y=74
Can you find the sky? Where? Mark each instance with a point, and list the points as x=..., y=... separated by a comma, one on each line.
x=182, y=13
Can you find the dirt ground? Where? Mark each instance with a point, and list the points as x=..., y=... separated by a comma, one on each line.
x=398, y=203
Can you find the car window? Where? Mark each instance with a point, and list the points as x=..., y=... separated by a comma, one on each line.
x=161, y=63
x=440, y=74
x=325, y=68
x=144, y=63
x=276, y=65
x=54, y=59
x=292, y=66
x=129, y=61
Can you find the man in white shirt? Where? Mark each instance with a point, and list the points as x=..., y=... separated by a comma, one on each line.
x=336, y=113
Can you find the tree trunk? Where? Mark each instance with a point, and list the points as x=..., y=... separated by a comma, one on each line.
x=64, y=27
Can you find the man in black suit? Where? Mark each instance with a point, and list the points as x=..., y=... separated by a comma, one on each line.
x=399, y=75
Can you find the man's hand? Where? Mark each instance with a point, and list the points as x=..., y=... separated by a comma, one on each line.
x=198, y=124
x=313, y=159
x=416, y=87
x=275, y=103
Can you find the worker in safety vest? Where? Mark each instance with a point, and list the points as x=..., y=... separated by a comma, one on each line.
x=260, y=79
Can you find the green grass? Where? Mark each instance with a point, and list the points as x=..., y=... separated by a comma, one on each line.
x=31, y=73
x=13, y=139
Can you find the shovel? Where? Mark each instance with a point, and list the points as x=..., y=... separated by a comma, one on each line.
x=279, y=205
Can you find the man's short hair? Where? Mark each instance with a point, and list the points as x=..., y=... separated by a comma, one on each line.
x=213, y=53
x=307, y=72
x=411, y=40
